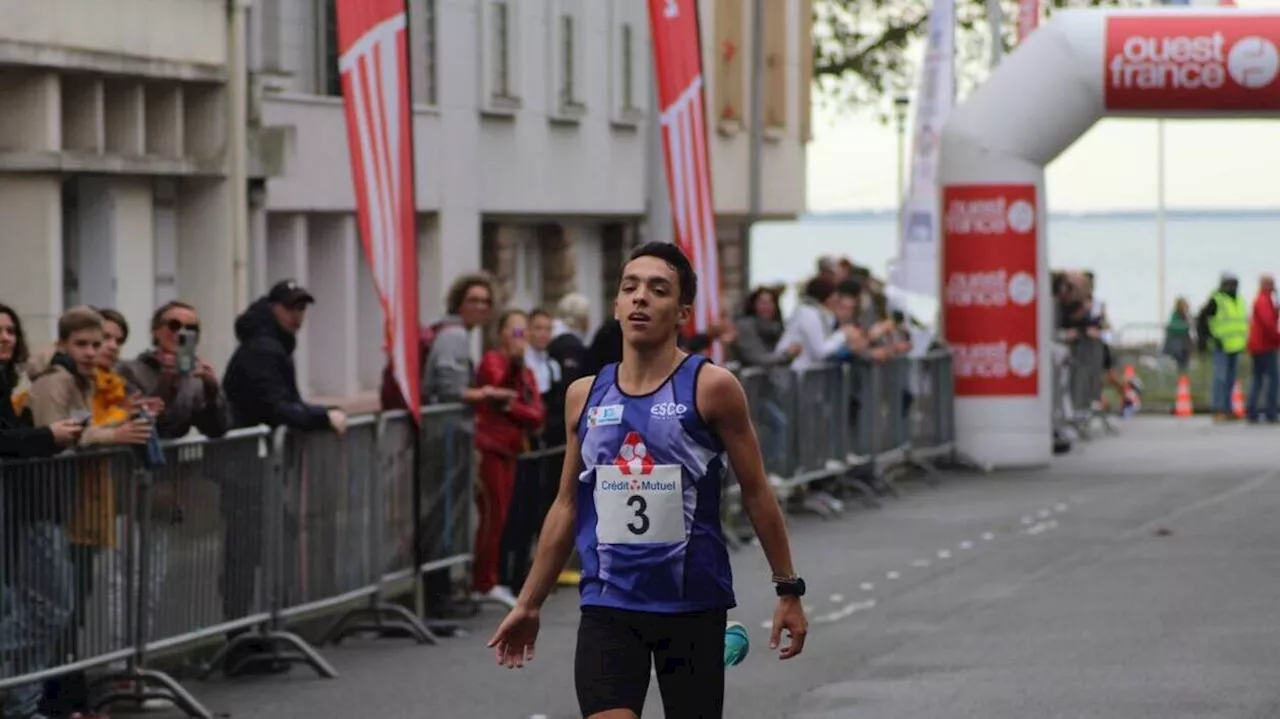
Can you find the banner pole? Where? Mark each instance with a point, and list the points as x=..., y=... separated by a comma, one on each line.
x=755, y=157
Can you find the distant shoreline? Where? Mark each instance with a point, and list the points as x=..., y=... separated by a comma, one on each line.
x=1101, y=216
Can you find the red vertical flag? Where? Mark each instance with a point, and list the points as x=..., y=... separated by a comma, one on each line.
x=677, y=57
x=373, y=61
x=1028, y=18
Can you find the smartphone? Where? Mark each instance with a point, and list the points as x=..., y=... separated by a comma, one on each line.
x=82, y=416
x=186, y=359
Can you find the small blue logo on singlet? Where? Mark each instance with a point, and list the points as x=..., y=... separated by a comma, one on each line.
x=604, y=416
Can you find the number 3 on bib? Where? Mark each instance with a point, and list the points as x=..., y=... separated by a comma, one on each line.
x=641, y=508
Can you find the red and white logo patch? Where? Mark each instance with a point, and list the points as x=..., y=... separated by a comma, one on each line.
x=633, y=458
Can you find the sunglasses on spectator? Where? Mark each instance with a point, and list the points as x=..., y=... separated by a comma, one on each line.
x=175, y=326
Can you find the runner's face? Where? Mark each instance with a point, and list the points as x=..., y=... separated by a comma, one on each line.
x=648, y=303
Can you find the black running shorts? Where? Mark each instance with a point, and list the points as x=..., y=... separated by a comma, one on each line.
x=617, y=649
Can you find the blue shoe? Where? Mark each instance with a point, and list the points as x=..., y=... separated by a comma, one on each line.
x=736, y=644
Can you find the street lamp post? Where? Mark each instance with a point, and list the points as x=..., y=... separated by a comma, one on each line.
x=900, y=103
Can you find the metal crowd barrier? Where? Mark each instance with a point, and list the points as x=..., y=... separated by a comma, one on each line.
x=106, y=562
x=851, y=427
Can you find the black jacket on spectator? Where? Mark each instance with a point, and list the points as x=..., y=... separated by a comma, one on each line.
x=571, y=353
x=18, y=439
x=606, y=347
x=261, y=383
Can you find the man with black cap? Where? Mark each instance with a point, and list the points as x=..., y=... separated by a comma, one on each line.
x=261, y=383
x=261, y=387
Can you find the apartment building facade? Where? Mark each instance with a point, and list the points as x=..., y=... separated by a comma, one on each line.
x=536, y=152
x=113, y=163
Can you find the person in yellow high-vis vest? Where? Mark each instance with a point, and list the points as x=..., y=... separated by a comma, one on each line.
x=1224, y=325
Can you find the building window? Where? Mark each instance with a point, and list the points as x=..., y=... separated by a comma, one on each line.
x=627, y=41
x=730, y=71
x=429, y=94
x=776, y=33
x=330, y=80
x=565, y=19
x=568, y=91
x=628, y=54
x=499, y=71
x=501, y=50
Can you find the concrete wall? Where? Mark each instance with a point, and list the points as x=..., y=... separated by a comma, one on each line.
x=547, y=152
x=181, y=31
x=113, y=136
x=527, y=161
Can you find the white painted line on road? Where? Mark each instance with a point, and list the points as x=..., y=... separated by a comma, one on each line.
x=539, y=716
x=837, y=598
x=988, y=536
x=1042, y=527
x=766, y=624
x=892, y=575
x=845, y=612
x=1028, y=520
x=944, y=554
x=1061, y=507
x=921, y=563
x=1044, y=513
x=867, y=586
x=966, y=544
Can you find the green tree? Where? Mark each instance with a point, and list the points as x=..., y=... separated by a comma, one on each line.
x=861, y=47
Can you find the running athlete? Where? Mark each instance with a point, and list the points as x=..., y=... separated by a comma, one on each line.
x=640, y=496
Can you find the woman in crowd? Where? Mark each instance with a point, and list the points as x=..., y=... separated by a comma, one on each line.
x=758, y=331
x=18, y=438
x=502, y=431
x=1178, y=342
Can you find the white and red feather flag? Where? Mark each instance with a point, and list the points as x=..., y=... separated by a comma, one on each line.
x=373, y=61
x=677, y=58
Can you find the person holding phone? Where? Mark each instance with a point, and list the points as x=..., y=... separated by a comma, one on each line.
x=172, y=371
x=503, y=426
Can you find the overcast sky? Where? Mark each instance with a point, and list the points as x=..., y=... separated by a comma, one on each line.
x=1219, y=164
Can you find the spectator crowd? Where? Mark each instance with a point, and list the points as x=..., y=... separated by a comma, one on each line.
x=79, y=393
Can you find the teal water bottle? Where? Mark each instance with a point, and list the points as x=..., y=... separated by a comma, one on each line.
x=736, y=643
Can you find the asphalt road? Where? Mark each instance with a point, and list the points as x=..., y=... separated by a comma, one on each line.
x=1138, y=578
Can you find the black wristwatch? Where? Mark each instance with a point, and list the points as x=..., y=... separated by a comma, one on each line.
x=789, y=586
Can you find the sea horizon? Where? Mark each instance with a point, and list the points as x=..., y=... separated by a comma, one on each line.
x=1118, y=245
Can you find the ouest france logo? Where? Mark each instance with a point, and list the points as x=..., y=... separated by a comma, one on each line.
x=1177, y=63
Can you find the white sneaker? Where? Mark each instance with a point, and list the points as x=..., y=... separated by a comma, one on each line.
x=497, y=595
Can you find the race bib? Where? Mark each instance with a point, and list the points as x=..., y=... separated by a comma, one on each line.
x=642, y=508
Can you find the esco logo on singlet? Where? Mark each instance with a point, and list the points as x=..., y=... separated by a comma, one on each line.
x=637, y=500
x=668, y=410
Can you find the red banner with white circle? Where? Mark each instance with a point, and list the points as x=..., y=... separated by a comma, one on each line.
x=989, y=294
x=1189, y=62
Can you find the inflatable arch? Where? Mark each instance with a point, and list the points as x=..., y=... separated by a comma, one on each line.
x=1080, y=67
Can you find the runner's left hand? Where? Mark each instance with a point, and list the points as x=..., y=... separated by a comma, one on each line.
x=789, y=616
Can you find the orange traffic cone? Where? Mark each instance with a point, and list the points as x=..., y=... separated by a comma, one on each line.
x=1237, y=401
x=1183, y=407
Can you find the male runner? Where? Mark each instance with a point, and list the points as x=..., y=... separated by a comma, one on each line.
x=641, y=484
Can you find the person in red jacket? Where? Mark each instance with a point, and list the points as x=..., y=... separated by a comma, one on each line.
x=1264, y=342
x=502, y=428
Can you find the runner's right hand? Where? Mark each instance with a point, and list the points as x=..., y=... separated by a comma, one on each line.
x=66, y=431
x=513, y=643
